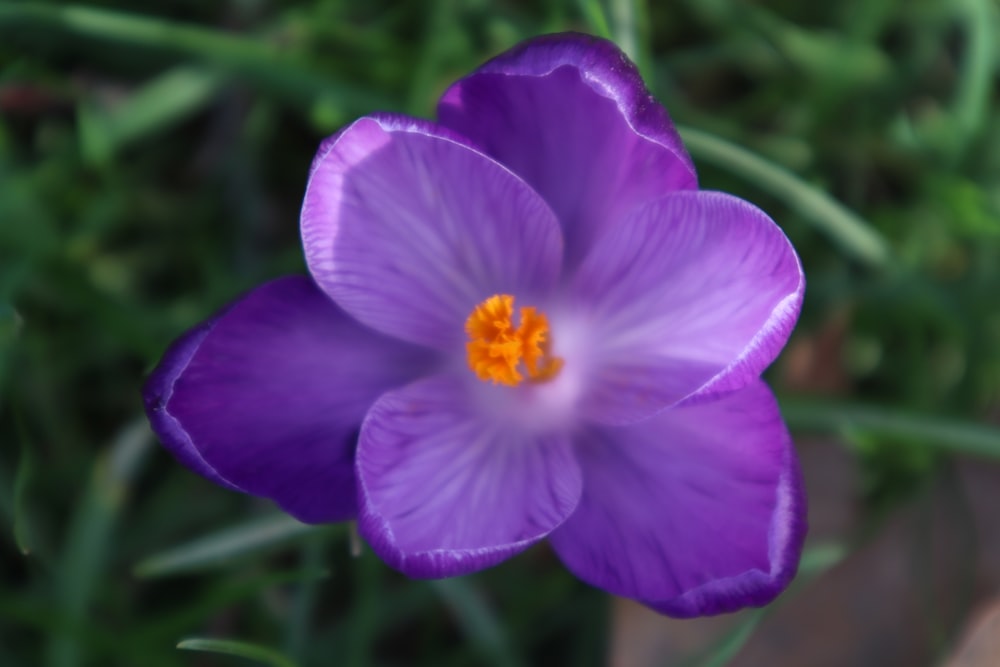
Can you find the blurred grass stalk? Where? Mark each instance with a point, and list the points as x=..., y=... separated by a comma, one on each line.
x=86, y=554
x=300, y=617
x=239, y=649
x=221, y=548
x=165, y=100
x=981, y=23
x=855, y=237
x=477, y=620
x=326, y=101
x=815, y=561
x=946, y=435
x=23, y=535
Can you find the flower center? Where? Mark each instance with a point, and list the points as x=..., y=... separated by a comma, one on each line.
x=501, y=353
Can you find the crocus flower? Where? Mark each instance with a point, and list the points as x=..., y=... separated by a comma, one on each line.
x=522, y=322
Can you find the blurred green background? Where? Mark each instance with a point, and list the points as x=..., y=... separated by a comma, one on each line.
x=152, y=161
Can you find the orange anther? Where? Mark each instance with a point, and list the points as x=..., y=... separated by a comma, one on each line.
x=499, y=352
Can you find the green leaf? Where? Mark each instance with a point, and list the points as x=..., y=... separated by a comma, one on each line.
x=240, y=649
x=856, y=237
x=224, y=546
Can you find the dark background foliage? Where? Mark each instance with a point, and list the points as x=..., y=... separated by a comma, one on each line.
x=152, y=161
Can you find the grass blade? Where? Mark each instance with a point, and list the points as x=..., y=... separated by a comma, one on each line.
x=948, y=435
x=22, y=480
x=623, y=26
x=855, y=236
x=300, y=615
x=972, y=100
x=476, y=620
x=165, y=100
x=815, y=561
x=85, y=556
x=256, y=60
x=597, y=21
x=240, y=649
x=224, y=546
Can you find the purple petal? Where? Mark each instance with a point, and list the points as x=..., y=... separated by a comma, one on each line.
x=159, y=388
x=268, y=397
x=694, y=294
x=408, y=229
x=446, y=491
x=570, y=115
x=698, y=510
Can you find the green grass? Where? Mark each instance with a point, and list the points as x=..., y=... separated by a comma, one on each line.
x=152, y=163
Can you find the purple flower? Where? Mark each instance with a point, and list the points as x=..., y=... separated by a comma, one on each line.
x=523, y=322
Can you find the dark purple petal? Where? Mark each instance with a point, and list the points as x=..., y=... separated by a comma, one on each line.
x=698, y=510
x=408, y=229
x=570, y=115
x=446, y=491
x=268, y=397
x=159, y=388
x=693, y=294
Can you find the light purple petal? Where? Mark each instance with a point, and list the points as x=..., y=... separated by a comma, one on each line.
x=698, y=510
x=446, y=491
x=691, y=296
x=570, y=115
x=268, y=397
x=408, y=229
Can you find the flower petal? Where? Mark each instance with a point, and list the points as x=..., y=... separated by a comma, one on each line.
x=269, y=395
x=692, y=295
x=157, y=391
x=445, y=491
x=571, y=116
x=407, y=228
x=698, y=510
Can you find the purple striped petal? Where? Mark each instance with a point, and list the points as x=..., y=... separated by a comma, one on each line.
x=699, y=510
x=692, y=295
x=570, y=115
x=446, y=491
x=408, y=229
x=268, y=397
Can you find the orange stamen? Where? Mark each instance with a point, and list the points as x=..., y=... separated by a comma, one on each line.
x=502, y=354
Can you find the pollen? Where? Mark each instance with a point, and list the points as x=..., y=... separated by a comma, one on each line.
x=501, y=353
